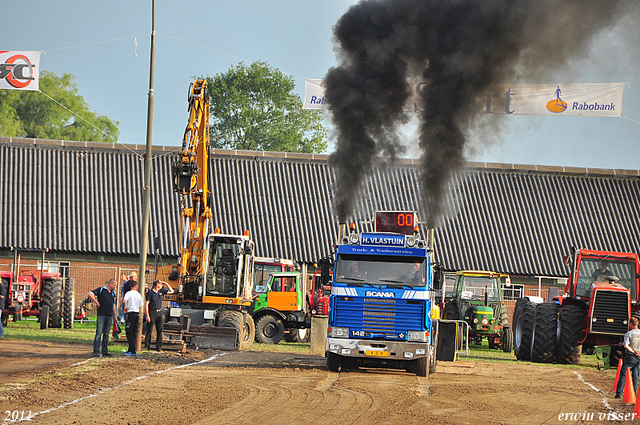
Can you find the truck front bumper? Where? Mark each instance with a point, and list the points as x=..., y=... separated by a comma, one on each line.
x=377, y=349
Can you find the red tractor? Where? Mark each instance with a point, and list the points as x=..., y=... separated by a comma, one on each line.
x=38, y=293
x=321, y=288
x=600, y=296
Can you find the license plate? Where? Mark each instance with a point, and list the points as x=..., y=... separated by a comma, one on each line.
x=377, y=353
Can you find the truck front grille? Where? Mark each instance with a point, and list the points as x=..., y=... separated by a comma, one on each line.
x=610, y=312
x=380, y=315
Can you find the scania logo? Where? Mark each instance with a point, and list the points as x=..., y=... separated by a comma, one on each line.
x=380, y=294
x=18, y=71
x=557, y=105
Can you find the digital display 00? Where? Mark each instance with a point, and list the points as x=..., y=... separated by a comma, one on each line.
x=396, y=222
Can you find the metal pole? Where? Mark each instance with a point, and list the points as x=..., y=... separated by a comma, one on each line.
x=144, y=231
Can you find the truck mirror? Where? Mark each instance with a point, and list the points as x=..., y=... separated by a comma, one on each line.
x=438, y=277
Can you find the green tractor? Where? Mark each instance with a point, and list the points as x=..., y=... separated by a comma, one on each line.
x=478, y=300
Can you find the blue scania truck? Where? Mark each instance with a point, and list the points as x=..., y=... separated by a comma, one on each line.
x=380, y=304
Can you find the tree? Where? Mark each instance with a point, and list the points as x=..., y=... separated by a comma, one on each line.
x=34, y=115
x=253, y=108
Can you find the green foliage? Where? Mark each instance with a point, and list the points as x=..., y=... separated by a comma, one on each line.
x=32, y=114
x=254, y=108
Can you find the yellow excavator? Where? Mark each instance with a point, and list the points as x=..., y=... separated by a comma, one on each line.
x=215, y=270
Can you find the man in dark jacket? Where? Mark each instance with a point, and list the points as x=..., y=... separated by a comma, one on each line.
x=104, y=297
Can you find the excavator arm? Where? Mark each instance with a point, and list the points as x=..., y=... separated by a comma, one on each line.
x=190, y=178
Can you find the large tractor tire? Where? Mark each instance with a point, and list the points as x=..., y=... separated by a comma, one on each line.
x=269, y=329
x=333, y=362
x=52, y=297
x=69, y=303
x=506, y=338
x=523, y=328
x=451, y=311
x=545, y=331
x=44, y=317
x=232, y=319
x=248, y=333
x=569, y=346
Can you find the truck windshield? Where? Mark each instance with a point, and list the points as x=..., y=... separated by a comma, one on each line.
x=474, y=288
x=380, y=270
x=223, y=267
x=599, y=269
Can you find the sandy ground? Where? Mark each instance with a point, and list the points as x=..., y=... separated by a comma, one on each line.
x=61, y=384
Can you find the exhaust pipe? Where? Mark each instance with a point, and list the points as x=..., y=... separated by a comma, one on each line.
x=342, y=232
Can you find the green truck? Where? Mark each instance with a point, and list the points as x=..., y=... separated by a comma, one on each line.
x=280, y=309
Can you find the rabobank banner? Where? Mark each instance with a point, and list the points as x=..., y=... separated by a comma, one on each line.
x=589, y=99
x=19, y=70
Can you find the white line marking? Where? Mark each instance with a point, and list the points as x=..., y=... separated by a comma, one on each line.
x=103, y=390
x=602, y=393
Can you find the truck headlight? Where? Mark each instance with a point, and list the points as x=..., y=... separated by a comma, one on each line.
x=422, y=336
x=411, y=241
x=339, y=332
x=354, y=238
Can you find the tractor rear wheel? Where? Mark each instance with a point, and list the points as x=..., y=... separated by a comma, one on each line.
x=545, y=331
x=523, y=328
x=269, y=330
x=451, y=311
x=52, y=296
x=333, y=362
x=569, y=346
x=506, y=338
x=69, y=303
x=44, y=317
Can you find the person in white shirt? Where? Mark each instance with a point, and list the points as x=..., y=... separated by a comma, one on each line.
x=132, y=303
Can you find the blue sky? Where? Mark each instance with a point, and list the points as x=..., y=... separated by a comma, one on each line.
x=96, y=42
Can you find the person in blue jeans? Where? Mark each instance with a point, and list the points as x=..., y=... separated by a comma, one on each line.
x=3, y=293
x=631, y=343
x=104, y=297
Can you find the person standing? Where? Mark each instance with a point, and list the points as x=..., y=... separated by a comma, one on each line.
x=126, y=287
x=104, y=297
x=3, y=293
x=631, y=344
x=132, y=303
x=153, y=312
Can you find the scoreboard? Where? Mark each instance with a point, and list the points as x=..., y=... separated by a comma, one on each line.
x=401, y=222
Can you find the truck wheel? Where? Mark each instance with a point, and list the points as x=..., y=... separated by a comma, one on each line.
x=52, y=296
x=451, y=311
x=44, y=317
x=269, y=330
x=231, y=319
x=523, y=328
x=545, y=331
x=506, y=338
x=302, y=335
x=421, y=366
x=248, y=334
x=569, y=346
x=69, y=303
x=333, y=362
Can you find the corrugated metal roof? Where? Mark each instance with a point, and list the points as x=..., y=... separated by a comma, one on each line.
x=81, y=198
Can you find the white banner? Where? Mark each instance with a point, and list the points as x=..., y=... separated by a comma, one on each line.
x=19, y=70
x=596, y=99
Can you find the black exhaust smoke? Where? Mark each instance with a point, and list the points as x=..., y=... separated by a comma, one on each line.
x=460, y=49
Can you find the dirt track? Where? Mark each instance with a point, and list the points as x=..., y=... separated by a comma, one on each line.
x=279, y=388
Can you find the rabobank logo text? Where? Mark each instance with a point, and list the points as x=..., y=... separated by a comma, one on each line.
x=379, y=294
x=382, y=240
